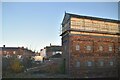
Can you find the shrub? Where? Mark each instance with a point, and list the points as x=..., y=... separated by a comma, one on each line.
x=16, y=66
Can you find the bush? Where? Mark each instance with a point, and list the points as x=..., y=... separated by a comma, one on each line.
x=16, y=66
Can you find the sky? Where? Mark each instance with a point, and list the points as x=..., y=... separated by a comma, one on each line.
x=37, y=24
x=59, y=0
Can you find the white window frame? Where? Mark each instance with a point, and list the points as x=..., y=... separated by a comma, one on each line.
x=110, y=48
x=14, y=52
x=77, y=47
x=101, y=48
x=88, y=48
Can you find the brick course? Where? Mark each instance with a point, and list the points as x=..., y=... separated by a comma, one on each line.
x=87, y=36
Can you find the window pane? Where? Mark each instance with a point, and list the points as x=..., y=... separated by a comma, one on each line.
x=111, y=63
x=110, y=48
x=101, y=63
x=89, y=63
x=88, y=47
x=77, y=47
x=119, y=48
x=100, y=48
x=14, y=52
x=77, y=64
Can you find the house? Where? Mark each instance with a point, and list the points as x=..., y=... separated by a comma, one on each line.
x=52, y=50
x=43, y=52
x=91, y=46
x=18, y=51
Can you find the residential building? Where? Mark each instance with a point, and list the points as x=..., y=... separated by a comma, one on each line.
x=52, y=50
x=91, y=46
x=43, y=52
x=19, y=51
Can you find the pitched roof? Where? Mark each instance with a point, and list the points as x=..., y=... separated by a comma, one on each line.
x=91, y=17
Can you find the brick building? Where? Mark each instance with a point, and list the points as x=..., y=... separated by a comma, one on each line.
x=20, y=51
x=52, y=50
x=91, y=46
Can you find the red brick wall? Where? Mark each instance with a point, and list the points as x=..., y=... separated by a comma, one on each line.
x=94, y=55
x=95, y=42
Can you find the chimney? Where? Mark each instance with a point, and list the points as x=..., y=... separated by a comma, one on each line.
x=3, y=45
x=50, y=44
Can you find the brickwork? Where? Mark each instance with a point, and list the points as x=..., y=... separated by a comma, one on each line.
x=17, y=51
x=90, y=46
x=94, y=56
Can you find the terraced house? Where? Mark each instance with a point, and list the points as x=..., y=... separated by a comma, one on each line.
x=91, y=46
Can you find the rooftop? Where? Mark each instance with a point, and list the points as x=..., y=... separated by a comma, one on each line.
x=91, y=17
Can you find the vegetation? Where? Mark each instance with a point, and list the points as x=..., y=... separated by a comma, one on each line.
x=16, y=66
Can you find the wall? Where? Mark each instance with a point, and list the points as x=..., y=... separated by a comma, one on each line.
x=94, y=56
x=94, y=25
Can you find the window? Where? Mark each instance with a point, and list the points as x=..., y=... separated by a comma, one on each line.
x=14, y=52
x=77, y=64
x=88, y=48
x=4, y=52
x=101, y=48
x=119, y=49
x=110, y=48
x=89, y=63
x=7, y=52
x=77, y=47
x=53, y=53
x=101, y=63
x=111, y=63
